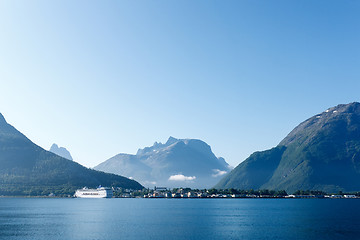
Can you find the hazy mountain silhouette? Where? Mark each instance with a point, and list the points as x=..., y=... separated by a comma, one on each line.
x=60, y=151
x=27, y=169
x=322, y=153
x=177, y=163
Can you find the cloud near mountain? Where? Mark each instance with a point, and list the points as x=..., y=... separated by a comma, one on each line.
x=180, y=177
x=218, y=173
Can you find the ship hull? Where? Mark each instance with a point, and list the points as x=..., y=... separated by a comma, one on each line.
x=94, y=193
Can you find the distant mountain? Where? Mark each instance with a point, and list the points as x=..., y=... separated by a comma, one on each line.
x=27, y=169
x=60, y=151
x=322, y=153
x=177, y=163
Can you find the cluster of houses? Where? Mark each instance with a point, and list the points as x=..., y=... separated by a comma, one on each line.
x=191, y=194
x=322, y=196
x=157, y=194
x=162, y=192
x=196, y=195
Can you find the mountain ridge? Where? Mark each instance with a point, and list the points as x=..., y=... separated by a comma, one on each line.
x=28, y=169
x=321, y=153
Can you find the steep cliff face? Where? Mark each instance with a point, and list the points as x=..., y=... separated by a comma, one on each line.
x=322, y=153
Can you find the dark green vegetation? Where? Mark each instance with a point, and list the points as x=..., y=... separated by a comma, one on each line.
x=322, y=153
x=27, y=169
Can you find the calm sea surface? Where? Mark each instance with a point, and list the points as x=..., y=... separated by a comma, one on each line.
x=42, y=218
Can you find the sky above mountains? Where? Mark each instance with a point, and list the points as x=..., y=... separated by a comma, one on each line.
x=101, y=78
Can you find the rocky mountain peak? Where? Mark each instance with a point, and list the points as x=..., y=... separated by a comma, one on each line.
x=339, y=117
x=60, y=151
x=172, y=164
x=171, y=140
x=353, y=107
x=2, y=119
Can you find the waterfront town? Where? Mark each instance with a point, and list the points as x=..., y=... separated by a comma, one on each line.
x=163, y=192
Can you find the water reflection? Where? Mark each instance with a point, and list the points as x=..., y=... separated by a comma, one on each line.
x=36, y=218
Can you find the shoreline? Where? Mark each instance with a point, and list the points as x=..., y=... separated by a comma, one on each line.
x=56, y=197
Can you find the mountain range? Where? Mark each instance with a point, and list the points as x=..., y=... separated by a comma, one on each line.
x=322, y=153
x=177, y=163
x=27, y=169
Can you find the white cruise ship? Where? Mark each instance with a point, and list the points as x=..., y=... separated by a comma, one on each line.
x=100, y=192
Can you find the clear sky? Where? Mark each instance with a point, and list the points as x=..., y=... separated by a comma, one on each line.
x=105, y=77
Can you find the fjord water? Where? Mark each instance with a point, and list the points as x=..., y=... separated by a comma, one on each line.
x=46, y=218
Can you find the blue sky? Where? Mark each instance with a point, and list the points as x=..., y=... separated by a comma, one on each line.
x=104, y=77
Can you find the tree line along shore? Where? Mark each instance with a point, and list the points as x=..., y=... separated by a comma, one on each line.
x=161, y=192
